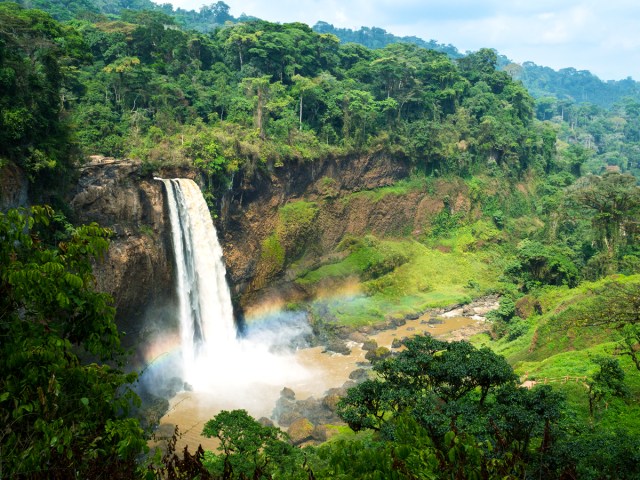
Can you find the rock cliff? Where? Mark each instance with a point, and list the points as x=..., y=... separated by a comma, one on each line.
x=249, y=211
x=137, y=270
x=345, y=198
x=14, y=187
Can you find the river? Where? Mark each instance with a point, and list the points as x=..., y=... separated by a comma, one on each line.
x=190, y=410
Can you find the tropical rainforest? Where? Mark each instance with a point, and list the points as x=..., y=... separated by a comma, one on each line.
x=551, y=224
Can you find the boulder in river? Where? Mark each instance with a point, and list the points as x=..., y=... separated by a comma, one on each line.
x=369, y=345
x=301, y=431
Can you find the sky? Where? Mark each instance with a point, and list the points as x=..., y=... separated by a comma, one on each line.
x=602, y=36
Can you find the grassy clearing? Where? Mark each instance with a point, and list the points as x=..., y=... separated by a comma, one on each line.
x=422, y=278
x=555, y=347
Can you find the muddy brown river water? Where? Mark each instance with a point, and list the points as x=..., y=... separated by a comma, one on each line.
x=191, y=410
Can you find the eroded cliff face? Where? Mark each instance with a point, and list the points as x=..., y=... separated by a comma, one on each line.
x=14, y=188
x=342, y=192
x=249, y=212
x=138, y=267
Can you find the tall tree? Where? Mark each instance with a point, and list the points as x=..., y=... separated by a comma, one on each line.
x=612, y=203
x=36, y=54
x=63, y=406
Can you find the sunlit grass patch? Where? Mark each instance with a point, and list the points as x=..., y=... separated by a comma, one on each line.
x=558, y=350
x=399, y=277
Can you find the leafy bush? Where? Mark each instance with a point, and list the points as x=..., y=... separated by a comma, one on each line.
x=250, y=450
x=64, y=402
x=537, y=264
x=516, y=329
x=382, y=262
x=505, y=311
x=444, y=223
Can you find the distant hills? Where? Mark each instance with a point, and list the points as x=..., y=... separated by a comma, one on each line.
x=375, y=37
x=580, y=86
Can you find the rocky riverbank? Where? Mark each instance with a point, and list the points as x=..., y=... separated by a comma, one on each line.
x=307, y=412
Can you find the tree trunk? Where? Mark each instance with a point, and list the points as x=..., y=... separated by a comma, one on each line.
x=300, y=112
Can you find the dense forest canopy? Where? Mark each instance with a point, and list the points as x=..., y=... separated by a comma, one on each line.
x=302, y=93
x=556, y=206
x=580, y=86
x=595, y=115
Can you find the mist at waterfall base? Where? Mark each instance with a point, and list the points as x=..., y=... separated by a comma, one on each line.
x=207, y=354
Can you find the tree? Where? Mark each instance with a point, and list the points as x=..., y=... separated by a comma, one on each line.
x=574, y=156
x=411, y=454
x=240, y=37
x=266, y=97
x=251, y=450
x=302, y=85
x=612, y=203
x=537, y=264
x=607, y=382
x=62, y=403
x=208, y=159
x=616, y=304
x=36, y=56
x=522, y=415
x=444, y=396
x=359, y=110
x=480, y=64
x=432, y=378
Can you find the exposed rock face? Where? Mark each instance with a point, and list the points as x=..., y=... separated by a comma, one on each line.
x=14, y=188
x=336, y=190
x=249, y=212
x=137, y=269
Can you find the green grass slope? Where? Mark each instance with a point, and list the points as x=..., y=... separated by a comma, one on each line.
x=558, y=349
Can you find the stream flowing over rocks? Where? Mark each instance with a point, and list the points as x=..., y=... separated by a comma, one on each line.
x=307, y=412
x=312, y=420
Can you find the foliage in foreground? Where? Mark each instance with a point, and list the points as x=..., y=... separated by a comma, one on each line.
x=436, y=410
x=63, y=405
x=251, y=450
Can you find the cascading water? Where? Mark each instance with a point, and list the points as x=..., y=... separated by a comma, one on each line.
x=202, y=289
x=213, y=357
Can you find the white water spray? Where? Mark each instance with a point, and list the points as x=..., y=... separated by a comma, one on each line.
x=206, y=314
x=214, y=359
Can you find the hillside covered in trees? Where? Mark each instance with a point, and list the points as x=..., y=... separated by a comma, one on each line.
x=567, y=84
x=531, y=199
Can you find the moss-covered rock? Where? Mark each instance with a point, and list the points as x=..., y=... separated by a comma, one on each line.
x=301, y=431
x=369, y=345
x=378, y=354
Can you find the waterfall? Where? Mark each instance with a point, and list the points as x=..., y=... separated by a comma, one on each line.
x=205, y=310
x=239, y=372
